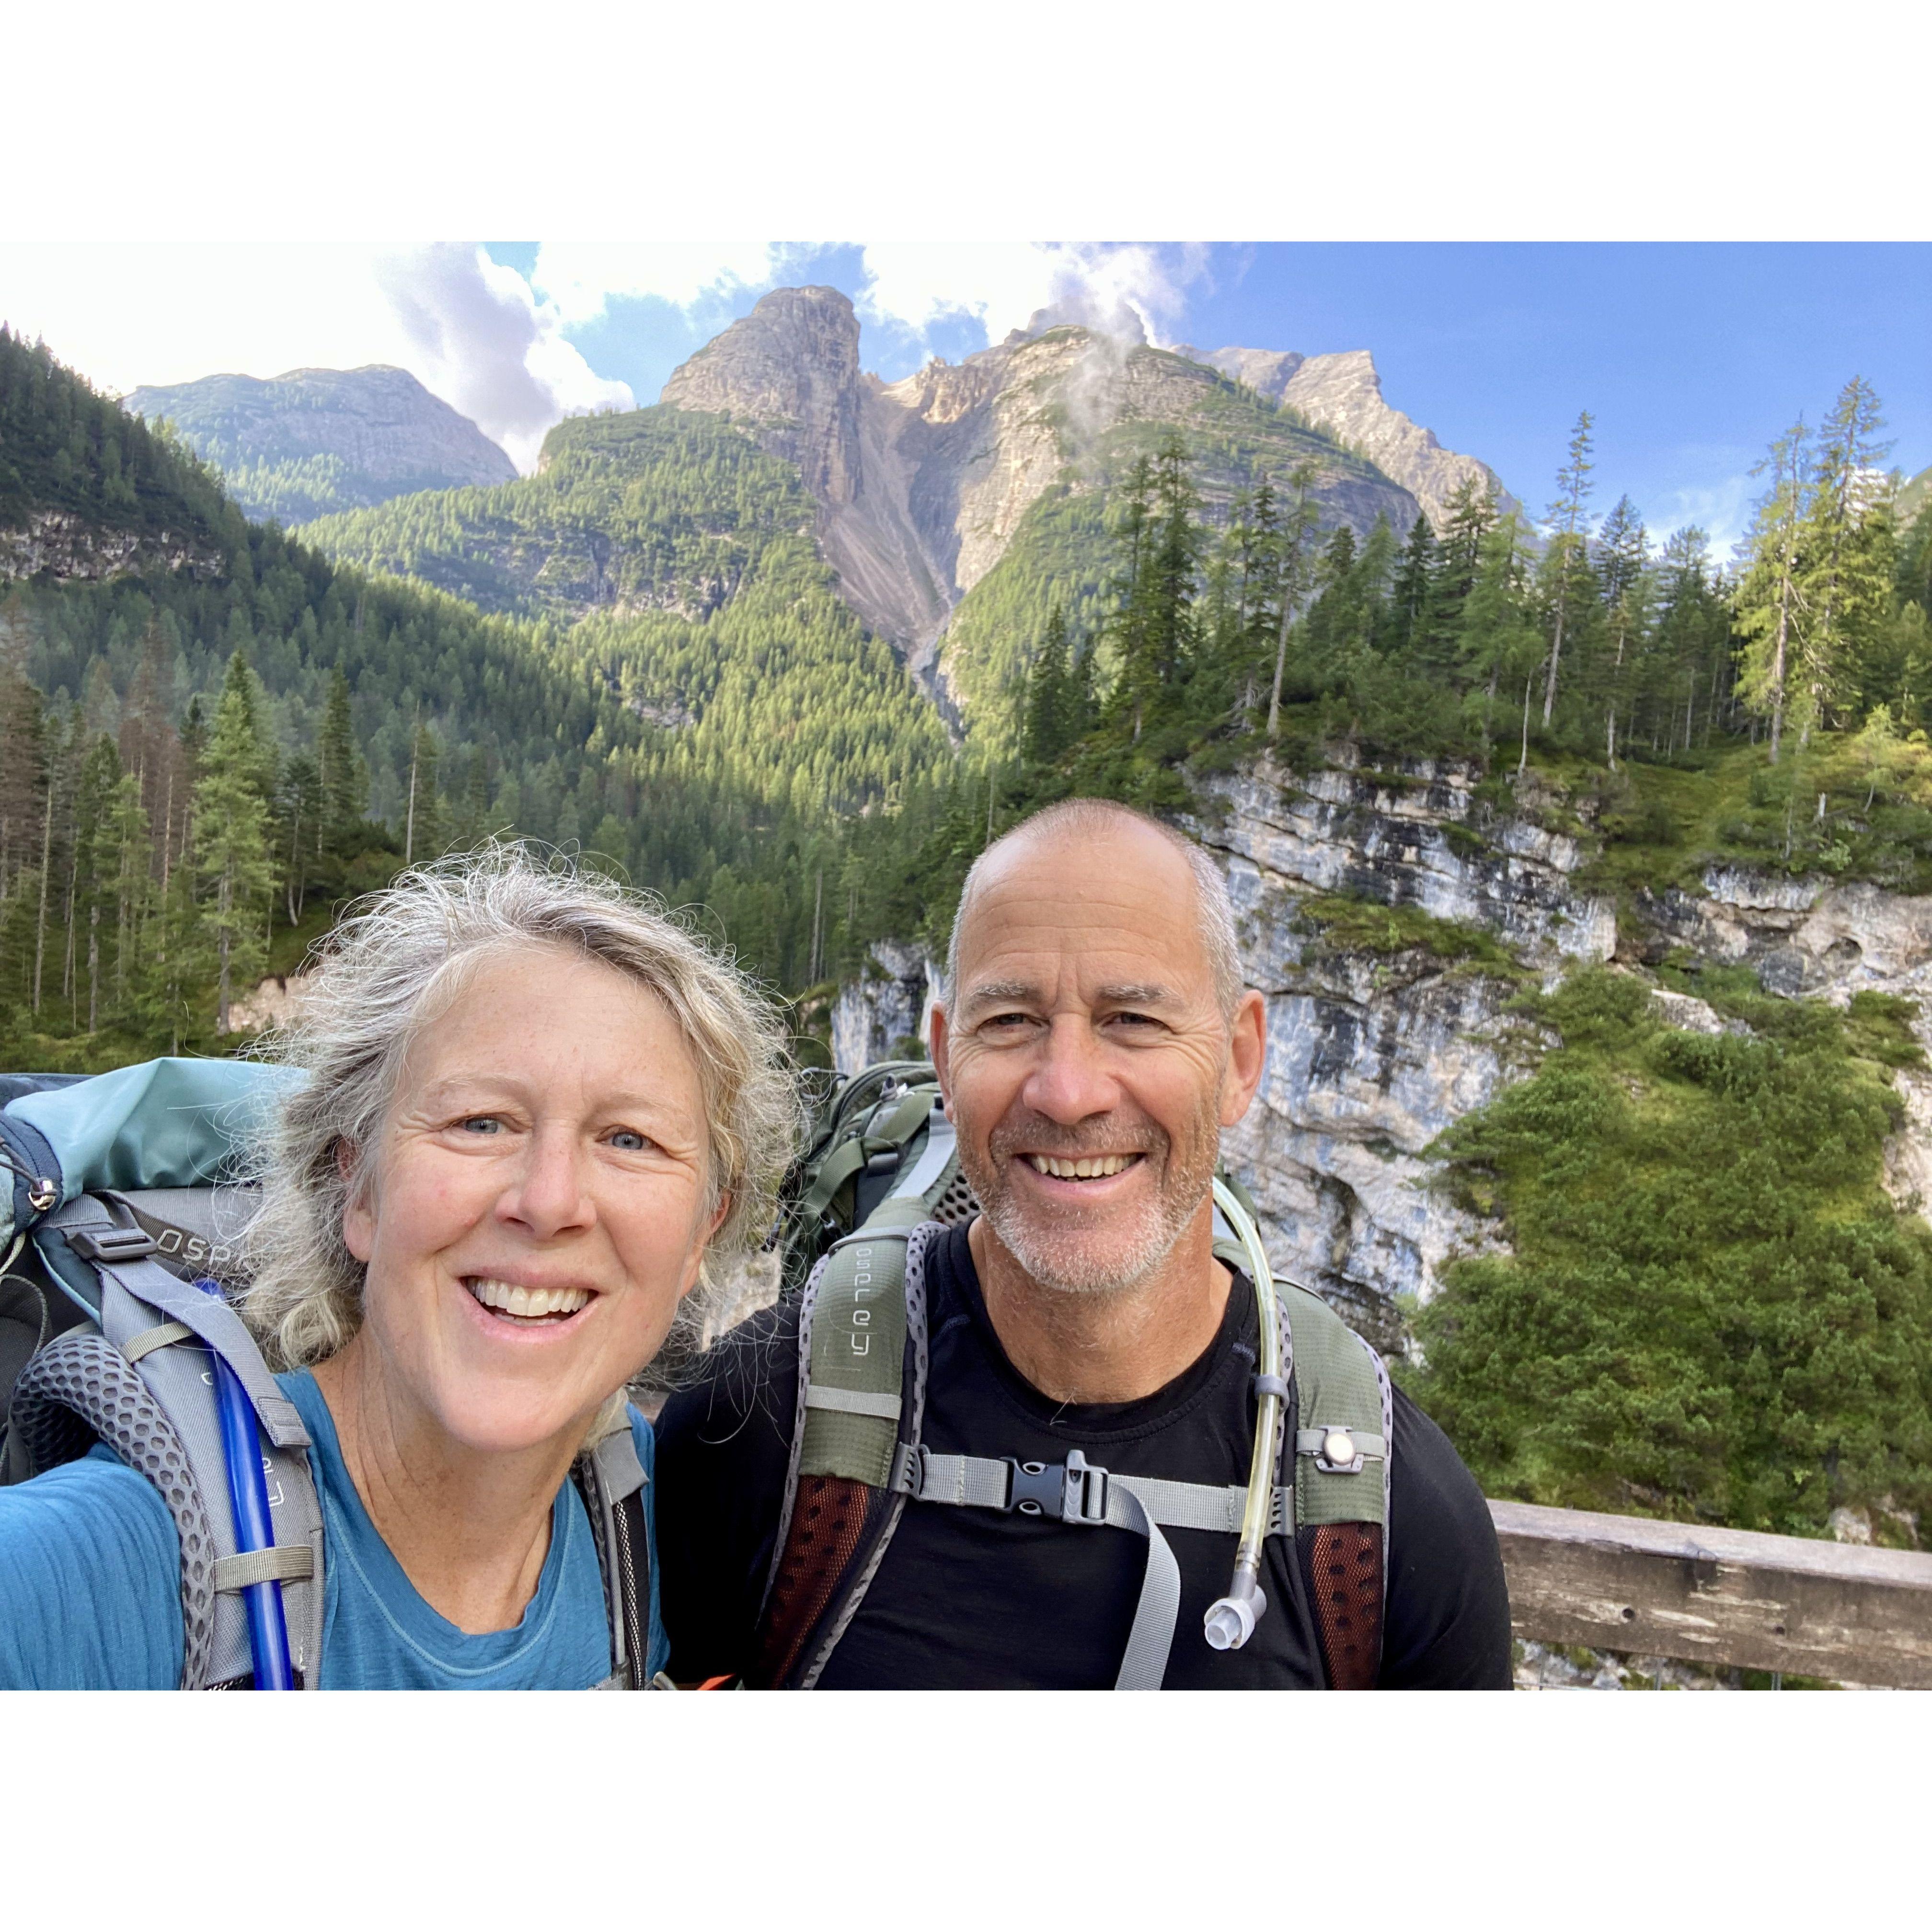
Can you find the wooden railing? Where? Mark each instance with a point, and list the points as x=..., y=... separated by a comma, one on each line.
x=1723, y=1598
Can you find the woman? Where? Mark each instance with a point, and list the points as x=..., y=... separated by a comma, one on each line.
x=538, y=1115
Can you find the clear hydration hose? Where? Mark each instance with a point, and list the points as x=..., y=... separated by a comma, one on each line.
x=1232, y=1621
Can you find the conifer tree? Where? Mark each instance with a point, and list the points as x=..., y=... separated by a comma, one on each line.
x=1771, y=600
x=232, y=850
x=1568, y=560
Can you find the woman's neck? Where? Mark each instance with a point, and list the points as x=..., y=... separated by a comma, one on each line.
x=470, y=1527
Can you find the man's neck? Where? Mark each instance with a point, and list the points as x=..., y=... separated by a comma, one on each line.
x=1106, y=1347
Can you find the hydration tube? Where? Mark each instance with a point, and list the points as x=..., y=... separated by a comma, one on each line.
x=1232, y=1621
x=248, y=1496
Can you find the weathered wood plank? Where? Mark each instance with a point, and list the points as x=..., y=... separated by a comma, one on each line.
x=1720, y=1597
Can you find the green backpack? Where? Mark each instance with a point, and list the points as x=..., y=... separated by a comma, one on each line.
x=879, y=1181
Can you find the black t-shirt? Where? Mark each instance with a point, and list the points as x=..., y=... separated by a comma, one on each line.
x=974, y=1599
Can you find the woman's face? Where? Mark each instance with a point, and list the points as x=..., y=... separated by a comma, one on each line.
x=538, y=1204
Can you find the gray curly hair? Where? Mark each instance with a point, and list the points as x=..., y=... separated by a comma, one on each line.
x=389, y=968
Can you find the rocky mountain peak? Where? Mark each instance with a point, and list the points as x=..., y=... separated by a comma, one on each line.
x=1341, y=394
x=791, y=369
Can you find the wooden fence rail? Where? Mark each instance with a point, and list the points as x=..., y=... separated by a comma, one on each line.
x=1719, y=1597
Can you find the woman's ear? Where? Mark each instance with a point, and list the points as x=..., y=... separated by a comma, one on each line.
x=359, y=1224
x=696, y=1263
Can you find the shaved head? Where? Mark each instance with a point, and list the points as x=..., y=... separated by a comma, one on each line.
x=1075, y=819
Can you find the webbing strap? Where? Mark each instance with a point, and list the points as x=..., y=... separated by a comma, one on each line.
x=1315, y=1442
x=853, y=1402
x=285, y=1563
x=1077, y=1492
x=149, y=1339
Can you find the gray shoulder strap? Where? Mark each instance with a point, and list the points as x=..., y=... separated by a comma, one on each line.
x=158, y=1414
x=611, y=1480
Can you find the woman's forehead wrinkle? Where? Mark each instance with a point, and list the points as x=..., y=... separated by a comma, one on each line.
x=1117, y=907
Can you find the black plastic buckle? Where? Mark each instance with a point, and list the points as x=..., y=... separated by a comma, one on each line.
x=111, y=1244
x=1074, y=1491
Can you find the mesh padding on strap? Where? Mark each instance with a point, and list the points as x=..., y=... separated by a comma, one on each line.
x=78, y=1384
x=829, y=1523
x=1343, y=1562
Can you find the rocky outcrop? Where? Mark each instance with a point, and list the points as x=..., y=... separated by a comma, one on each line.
x=1374, y=1052
x=889, y=1005
x=361, y=435
x=59, y=547
x=1343, y=394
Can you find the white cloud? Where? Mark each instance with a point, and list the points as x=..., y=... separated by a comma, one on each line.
x=581, y=277
x=137, y=314
x=479, y=338
x=1723, y=511
x=1125, y=288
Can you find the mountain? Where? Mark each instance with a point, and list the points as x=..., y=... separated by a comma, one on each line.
x=1342, y=395
x=316, y=440
x=928, y=488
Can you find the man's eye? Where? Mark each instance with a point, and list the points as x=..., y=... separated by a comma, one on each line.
x=1006, y=1022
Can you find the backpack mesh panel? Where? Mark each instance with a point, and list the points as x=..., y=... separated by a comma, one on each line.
x=1343, y=1562
x=956, y=1203
x=829, y=1519
x=79, y=1384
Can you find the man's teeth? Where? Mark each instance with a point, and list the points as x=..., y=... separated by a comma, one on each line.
x=1096, y=1167
x=530, y=1303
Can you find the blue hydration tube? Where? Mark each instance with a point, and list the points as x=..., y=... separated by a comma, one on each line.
x=248, y=1495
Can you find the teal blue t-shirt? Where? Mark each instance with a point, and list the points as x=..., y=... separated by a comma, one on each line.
x=90, y=1588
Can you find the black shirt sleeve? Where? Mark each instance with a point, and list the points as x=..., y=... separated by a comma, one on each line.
x=722, y=1449
x=1447, y=1626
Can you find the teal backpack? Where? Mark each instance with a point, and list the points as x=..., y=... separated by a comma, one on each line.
x=880, y=1180
x=121, y=1202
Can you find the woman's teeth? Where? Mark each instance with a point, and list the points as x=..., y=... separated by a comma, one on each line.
x=528, y=1304
x=1096, y=1167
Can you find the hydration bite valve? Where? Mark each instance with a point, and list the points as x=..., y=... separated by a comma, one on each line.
x=1231, y=1622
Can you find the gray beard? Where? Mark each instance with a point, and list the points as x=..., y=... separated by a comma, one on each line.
x=1057, y=1257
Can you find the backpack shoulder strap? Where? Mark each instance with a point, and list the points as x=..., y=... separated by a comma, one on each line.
x=861, y=1387
x=612, y=1481
x=138, y=1380
x=1343, y=1450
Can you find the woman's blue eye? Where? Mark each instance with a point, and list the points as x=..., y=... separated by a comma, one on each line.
x=630, y=1142
x=483, y=1123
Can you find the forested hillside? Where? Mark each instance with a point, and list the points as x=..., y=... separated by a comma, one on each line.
x=335, y=724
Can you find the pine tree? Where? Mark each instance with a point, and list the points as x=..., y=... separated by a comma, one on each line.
x=1770, y=600
x=344, y=778
x=1622, y=552
x=1569, y=536
x=1413, y=576
x=1290, y=581
x=1049, y=700
x=231, y=851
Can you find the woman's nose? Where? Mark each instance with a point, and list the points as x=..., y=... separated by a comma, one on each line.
x=549, y=1196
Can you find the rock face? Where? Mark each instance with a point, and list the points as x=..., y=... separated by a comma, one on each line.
x=1371, y=1055
x=921, y=484
x=1343, y=394
x=315, y=440
x=56, y=545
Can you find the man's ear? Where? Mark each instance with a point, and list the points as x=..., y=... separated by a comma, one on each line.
x=942, y=1054
x=1247, y=1057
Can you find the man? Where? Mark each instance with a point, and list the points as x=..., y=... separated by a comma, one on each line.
x=1094, y=1040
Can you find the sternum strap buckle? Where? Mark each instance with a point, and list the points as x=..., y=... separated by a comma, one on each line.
x=1075, y=1491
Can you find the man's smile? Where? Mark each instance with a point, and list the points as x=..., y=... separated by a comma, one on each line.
x=1085, y=1167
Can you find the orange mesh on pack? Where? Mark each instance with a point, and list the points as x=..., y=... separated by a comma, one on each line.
x=1344, y=1561
x=828, y=1523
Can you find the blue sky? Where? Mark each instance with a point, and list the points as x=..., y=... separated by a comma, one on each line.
x=1690, y=356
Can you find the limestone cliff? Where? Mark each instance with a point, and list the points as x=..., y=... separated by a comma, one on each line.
x=56, y=546
x=1373, y=1052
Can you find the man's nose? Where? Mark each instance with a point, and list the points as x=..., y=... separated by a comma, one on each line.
x=549, y=1196
x=1070, y=1082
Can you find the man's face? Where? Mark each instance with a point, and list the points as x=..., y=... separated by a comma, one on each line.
x=1086, y=1063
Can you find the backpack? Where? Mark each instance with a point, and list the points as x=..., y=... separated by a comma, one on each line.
x=118, y=1210
x=880, y=1181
